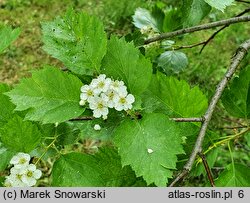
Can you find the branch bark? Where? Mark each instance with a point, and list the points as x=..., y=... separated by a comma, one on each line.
x=197, y=28
x=187, y=119
x=222, y=28
x=208, y=171
x=237, y=58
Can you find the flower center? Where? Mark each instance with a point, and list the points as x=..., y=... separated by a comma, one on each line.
x=90, y=93
x=122, y=100
x=101, y=84
x=100, y=105
x=18, y=176
x=22, y=161
x=29, y=174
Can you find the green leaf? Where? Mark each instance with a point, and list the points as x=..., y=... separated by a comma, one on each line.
x=102, y=169
x=172, y=61
x=247, y=138
x=219, y=4
x=124, y=62
x=174, y=97
x=7, y=36
x=236, y=99
x=6, y=107
x=235, y=175
x=20, y=136
x=2, y=181
x=144, y=18
x=5, y=157
x=107, y=127
x=78, y=40
x=50, y=96
x=172, y=20
x=67, y=134
x=112, y=172
x=194, y=11
x=150, y=146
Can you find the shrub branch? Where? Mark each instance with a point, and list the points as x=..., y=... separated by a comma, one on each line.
x=222, y=28
x=197, y=28
x=237, y=58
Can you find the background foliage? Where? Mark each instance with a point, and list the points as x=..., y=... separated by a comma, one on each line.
x=193, y=75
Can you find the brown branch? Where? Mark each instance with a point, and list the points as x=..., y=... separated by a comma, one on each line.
x=207, y=168
x=238, y=57
x=197, y=28
x=190, y=46
x=187, y=119
x=222, y=28
x=83, y=118
x=234, y=127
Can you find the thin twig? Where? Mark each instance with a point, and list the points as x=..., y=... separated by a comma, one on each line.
x=190, y=46
x=233, y=127
x=197, y=28
x=207, y=168
x=83, y=118
x=174, y=119
x=238, y=57
x=222, y=28
x=187, y=119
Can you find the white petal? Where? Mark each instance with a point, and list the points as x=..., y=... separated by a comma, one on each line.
x=130, y=98
x=31, y=167
x=84, y=88
x=37, y=174
x=82, y=102
x=97, y=113
x=150, y=151
x=97, y=127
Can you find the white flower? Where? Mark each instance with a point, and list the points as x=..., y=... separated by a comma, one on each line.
x=13, y=181
x=119, y=87
x=99, y=107
x=82, y=102
x=15, y=177
x=30, y=175
x=124, y=102
x=87, y=92
x=101, y=84
x=20, y=159
x=108, y=97
x=8, y=182
x=150, y=151
x=97, y=127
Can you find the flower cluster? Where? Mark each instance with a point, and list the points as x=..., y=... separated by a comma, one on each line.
x=104, y=93
x=22, y=174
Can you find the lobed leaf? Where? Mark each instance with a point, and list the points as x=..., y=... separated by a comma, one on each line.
x=7, y=36
x=78, y=40
x=235, y=175
x=150, y=146
x=20, y=136
x=50, y=96
x=6, y=107
x=236, y=99
x=101, y=169
x=219, y=4
x=124, y=62
x=174, y=97
x=194, y=11
x=5, y=156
